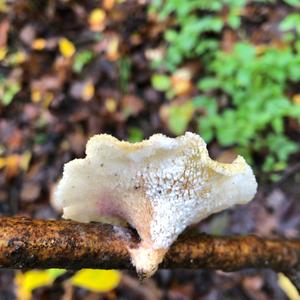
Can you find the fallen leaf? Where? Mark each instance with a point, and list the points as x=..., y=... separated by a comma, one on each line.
x=66, y=48
x=112, y=50
x=108, y=4
x=261, y=49
x=39, y=44
x=227, y=156
x=97, y=19
x=181, y=82
x=161, y=82
x=30, y=191
x=296, y=99
x=155, y=54
x=3, y=52
x=28, y=281
x=25, y=160
x=36, y=96
x=111, y=105
x=2, y=162
x=3, y=6
x=4, y=28
x=88, y=91
x=131, y=105
x=48, y=98
x=77, y=142
x=177, y=116
x=12, y=165
x=17, y=58
x=287, y=286
x=96, y=280
x=15, y=140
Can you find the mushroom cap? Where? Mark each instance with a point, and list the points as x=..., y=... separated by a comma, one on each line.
x=159, y=186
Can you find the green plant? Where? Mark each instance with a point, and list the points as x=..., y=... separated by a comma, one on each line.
x=179, y=117
x=81, y=59
x=135, y=134
x=254, y=87
x=8, y=90
x=161, y=82
x=242, y=99
x=294, y=3
x=195, y=20
x=124, y=66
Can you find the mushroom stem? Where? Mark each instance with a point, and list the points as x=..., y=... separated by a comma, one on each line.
x=27, y=243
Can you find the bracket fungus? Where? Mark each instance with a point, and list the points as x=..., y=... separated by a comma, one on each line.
x=159, y=186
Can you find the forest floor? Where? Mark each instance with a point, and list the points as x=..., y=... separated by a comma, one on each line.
x=58, y=104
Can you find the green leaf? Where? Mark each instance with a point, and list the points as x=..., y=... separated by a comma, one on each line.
x=171, y=35
x=290, y=22
x=135, y=135
x=205, y=128
x=10, y=91
x=208, y=104
x=208, y=83
x=81, y=59
x=294, y=3
x=278, y=125
x=179, y=117
x=245, y=51
x=234, y=21
x=161, y=82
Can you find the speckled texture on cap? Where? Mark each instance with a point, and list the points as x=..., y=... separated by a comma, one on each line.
x=159, y=186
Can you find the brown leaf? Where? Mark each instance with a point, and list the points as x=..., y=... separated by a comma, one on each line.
x=27, y=34
x=15, y=140
x=4, y=27
x=131, y=105
x=108, y=4
x=30, y=191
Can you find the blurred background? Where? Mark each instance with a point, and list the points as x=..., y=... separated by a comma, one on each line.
x=228, y=70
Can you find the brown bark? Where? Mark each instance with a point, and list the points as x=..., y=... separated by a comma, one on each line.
x=26, y=243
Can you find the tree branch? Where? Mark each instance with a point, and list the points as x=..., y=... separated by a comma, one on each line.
x=26, y=243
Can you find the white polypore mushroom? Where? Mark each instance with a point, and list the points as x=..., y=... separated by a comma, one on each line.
x=159, y=186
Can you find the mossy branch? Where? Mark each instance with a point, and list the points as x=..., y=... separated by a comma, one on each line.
x=27, y=243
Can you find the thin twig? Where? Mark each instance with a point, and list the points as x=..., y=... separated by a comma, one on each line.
x=27, y=243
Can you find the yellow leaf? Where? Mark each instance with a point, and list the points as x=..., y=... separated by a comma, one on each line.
x=55, y=272
x=260, y=49
x=36, y=96
x=2, y=162
x=88, y=91
x=296, y=99
x=27, y=282
x=97, y=280
x=112, y=50
x=3, y=6
x=97, y=19
x=3, y=51
x=25, y=160
x=287, y=286
x=17, y=58
x=111, y=105
x=48, y=97
x=12, y=165
x=38, y=44
x=66, y=48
